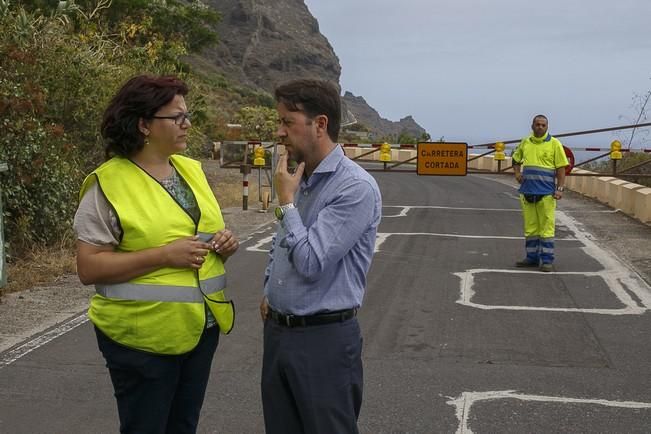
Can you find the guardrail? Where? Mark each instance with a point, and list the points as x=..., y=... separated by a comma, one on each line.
x=490, y=149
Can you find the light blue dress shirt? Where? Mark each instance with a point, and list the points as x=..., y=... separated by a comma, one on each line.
x=323, y=248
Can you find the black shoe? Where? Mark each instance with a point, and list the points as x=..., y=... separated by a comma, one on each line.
x=546, y=268
x=526, y=263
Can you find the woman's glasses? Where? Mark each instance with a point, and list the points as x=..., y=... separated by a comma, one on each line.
x=178, y=119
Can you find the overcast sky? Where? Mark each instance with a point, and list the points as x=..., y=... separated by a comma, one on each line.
x=478, y=70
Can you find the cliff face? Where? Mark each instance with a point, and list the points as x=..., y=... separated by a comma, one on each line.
x=263, y=43
x=266, y=42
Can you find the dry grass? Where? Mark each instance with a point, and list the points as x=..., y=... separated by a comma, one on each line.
x=40, y=265
x=227, y=184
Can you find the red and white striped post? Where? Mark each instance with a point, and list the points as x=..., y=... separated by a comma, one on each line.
x=245, y=169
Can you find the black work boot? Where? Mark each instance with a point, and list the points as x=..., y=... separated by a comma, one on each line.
x=526, y=263
x=546, y=268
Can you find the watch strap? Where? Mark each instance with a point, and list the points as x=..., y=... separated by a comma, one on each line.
x=282, y=210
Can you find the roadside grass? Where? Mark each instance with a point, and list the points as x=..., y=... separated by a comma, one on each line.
x=40, y=265
x=226, y=184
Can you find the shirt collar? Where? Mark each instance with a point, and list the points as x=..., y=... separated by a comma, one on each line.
x=331, y=161
x=327, y=165
x=546, y=138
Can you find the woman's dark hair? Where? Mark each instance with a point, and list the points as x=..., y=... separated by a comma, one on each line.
x=314, y=98
x=140, y=97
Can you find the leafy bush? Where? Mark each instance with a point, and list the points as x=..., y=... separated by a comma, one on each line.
x=258, y=122
x=57, y=74
x=43, y=176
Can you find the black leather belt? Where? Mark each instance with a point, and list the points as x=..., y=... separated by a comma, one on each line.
x=312, y=320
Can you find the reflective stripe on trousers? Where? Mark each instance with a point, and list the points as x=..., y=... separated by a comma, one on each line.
x=539, y=228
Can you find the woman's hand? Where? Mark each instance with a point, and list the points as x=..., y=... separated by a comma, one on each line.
x=186, y=252
x=224, y=243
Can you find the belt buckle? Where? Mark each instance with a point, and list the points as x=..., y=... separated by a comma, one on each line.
x=288, y=320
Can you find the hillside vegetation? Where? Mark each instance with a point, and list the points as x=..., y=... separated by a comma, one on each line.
x=60, y=62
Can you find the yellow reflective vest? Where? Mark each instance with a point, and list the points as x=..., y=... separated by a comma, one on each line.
x=163, y=311
x=539, y=157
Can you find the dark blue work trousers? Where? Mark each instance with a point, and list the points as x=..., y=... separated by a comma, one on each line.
x=312, y=378
x=158, y=393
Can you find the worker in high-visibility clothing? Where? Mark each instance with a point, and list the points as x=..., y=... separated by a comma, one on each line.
x=539, y=163
x=151, y=238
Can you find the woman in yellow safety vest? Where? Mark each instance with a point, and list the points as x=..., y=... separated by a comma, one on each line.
x=151, y=238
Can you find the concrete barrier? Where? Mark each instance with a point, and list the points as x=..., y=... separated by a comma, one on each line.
x=611, y=191
x=485, y=163
x=406, y=154
x=474, y=164
x=625, y=199
x=602, y=184
x=572, y=182
x=642, y=204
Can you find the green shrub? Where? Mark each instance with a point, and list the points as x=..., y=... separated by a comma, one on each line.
x=57, y=74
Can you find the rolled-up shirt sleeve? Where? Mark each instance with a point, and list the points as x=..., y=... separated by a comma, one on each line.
x=94, y=222
x=338, y=226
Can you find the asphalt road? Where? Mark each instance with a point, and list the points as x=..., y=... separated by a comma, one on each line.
x=456, y=338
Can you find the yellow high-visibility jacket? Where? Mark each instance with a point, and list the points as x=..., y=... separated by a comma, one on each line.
x=539, y=157
x=163, y=311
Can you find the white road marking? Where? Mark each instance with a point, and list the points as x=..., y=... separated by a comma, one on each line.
x=257, y=247
x=615, y=280
x=464, y=403
x=615, y=273
x=404, y=209
x=603, y=211
x=11, y=356
x=259, y=230
x=381, y=237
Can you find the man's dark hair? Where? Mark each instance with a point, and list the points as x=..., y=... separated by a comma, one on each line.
x=140, y=97
x=539, y=116
x=314, y=98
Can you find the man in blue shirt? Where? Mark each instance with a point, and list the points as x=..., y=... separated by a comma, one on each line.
x=329, y=212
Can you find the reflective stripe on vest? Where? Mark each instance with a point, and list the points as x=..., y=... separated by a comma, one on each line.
x=180, y=294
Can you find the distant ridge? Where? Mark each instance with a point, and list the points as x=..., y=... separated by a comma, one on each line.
x=263, y=43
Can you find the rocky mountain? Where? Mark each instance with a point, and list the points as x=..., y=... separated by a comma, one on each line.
x=369, y=117
x=266, y=42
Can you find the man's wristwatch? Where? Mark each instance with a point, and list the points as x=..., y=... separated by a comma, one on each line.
x=281, y=210
x=560, y=188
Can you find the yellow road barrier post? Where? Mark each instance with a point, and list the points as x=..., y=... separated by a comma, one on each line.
x=499, y=155
x=385, y=154
x=615, y=153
